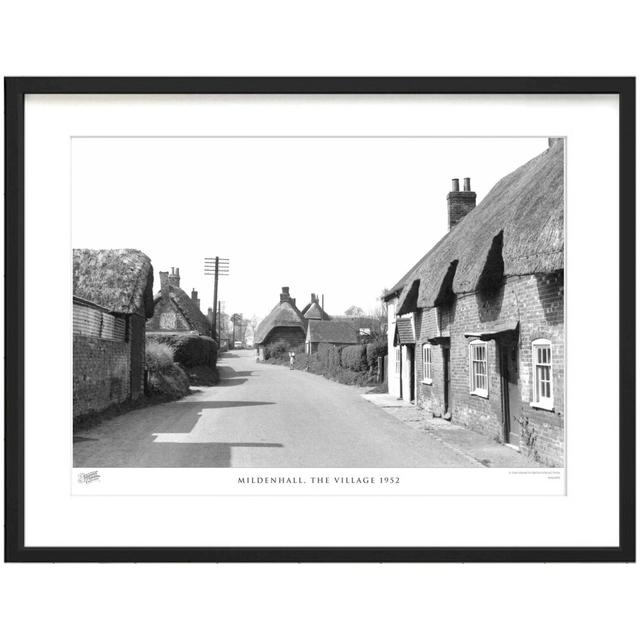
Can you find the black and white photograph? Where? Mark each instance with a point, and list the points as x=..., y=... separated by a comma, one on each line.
x=335, y=305
x=318, y=302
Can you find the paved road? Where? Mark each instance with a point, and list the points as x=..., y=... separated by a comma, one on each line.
x=261, y=415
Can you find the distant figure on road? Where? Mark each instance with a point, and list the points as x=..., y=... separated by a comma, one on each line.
x=292, y=359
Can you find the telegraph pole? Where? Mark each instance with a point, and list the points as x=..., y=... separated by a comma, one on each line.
x=216, y=267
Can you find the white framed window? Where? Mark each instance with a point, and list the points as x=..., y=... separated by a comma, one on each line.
x=541, y=356
x=426, y=363
x=398, y=356
x=478, y=370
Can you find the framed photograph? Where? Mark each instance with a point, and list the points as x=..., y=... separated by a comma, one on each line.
x=320, y=319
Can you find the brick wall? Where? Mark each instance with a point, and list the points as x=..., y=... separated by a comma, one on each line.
x=537, y=303
x=101, y=374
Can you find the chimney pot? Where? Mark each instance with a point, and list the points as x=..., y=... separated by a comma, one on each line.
x=284, y=296
x=459, y=203
x=455, y=184
x=174, y=278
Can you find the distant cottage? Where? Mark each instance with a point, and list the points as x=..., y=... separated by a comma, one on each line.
x=284, y=322
x=174, y=310
x=335, y=332
x=313, y=310
x=112, y=297
x=476, y=327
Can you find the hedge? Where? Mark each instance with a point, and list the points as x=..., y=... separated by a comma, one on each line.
x=189, y=349
x=375, y=350
x=354, y=357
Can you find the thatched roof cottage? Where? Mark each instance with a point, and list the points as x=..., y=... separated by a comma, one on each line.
x=174, y=310
x=112, y=297
x=476, y=327
x=284, y=323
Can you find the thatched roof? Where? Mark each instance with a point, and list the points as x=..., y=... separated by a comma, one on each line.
x=284, y=314
x=120, y=280
x=332, y=331
x=189, y=309
x=522, y=217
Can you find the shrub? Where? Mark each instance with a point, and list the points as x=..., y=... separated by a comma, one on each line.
x=189, y=349
x=375, y=349
x=276, y=350
x=170, y=384
x=329, y=356
x=354, y=357
x=159, y=357
x=165, y=378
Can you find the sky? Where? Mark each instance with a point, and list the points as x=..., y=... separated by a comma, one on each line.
x=343, y=217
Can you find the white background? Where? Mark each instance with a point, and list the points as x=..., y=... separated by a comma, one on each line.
x=280, y=202
x=364, y=38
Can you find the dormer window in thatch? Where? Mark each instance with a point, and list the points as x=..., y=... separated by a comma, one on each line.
x=446, y=296
x=493, y=271
x=410, y=302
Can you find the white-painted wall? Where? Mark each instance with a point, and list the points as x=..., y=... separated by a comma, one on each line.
x=392, y=377
x=407, y=366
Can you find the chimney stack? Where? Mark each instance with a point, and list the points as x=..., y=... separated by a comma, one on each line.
x=164, y=280
x=284, y=296
x=174, y=277
x=194, y=297
x=459, y=203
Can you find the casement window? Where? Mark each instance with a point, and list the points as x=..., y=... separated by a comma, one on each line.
x=478, y=372
x=542, y=374
x=398, y=356
x=426, y=363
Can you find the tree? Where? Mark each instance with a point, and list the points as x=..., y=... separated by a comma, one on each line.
x=355, y=311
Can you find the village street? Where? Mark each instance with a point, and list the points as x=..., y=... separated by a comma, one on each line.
x=261, y=415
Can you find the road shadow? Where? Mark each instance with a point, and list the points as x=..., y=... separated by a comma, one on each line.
x=170, y=456
x=230, y=377
x=152, y=438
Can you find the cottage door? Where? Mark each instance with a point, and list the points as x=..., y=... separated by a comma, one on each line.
x=511, y=401
x=412, y=372
x=446, y=370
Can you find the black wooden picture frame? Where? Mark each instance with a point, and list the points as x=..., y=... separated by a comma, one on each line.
x=15, y=91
